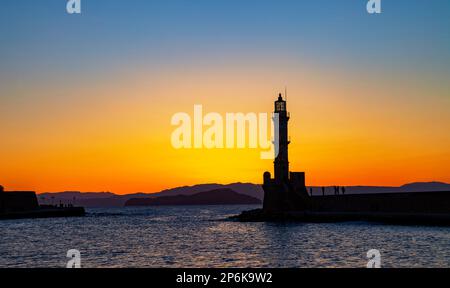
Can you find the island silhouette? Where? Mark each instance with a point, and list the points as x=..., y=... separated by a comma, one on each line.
x=214, y=197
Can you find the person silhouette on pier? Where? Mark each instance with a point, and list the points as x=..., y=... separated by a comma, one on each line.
x=336, y=190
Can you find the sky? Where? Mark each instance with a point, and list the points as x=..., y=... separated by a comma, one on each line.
x=86, y=100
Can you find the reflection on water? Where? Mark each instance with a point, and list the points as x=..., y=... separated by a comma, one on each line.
x=199, y=237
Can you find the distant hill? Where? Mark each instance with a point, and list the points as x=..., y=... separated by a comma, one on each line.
x=248, y=189
x=214, y=197
x=108, y=199
x=425, y=187
x=88, y=199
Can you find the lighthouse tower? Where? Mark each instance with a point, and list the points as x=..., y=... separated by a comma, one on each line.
x=281, y=163
x=286, y=191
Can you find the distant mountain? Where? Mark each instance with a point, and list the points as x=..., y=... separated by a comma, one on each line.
x=248, y=189
x=88, y=199
x=214, y=197
x=108, y=199
x=425, y=187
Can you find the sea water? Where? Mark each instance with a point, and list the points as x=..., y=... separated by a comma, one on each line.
x=201, y=236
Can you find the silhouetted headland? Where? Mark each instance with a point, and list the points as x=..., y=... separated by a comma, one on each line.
x=214, y=197
x=286, y=197
x=24, y=204
x=109, y=199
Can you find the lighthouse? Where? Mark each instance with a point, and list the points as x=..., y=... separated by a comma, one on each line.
x=286, y=191
x=281, y=163
x=286, y=197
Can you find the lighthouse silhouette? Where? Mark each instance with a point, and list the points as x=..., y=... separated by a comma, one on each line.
x=281, y=163
x=286, y=197
x=286, y=191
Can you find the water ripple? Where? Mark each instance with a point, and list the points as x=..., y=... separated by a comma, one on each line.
x=187, y=237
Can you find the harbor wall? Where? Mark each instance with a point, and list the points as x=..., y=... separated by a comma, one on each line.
x=18, y=201
x=420, y=202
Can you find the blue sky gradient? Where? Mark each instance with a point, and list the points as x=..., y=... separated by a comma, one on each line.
x=39, y=36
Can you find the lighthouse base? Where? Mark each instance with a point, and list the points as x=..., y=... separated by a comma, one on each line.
x=280, y=196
